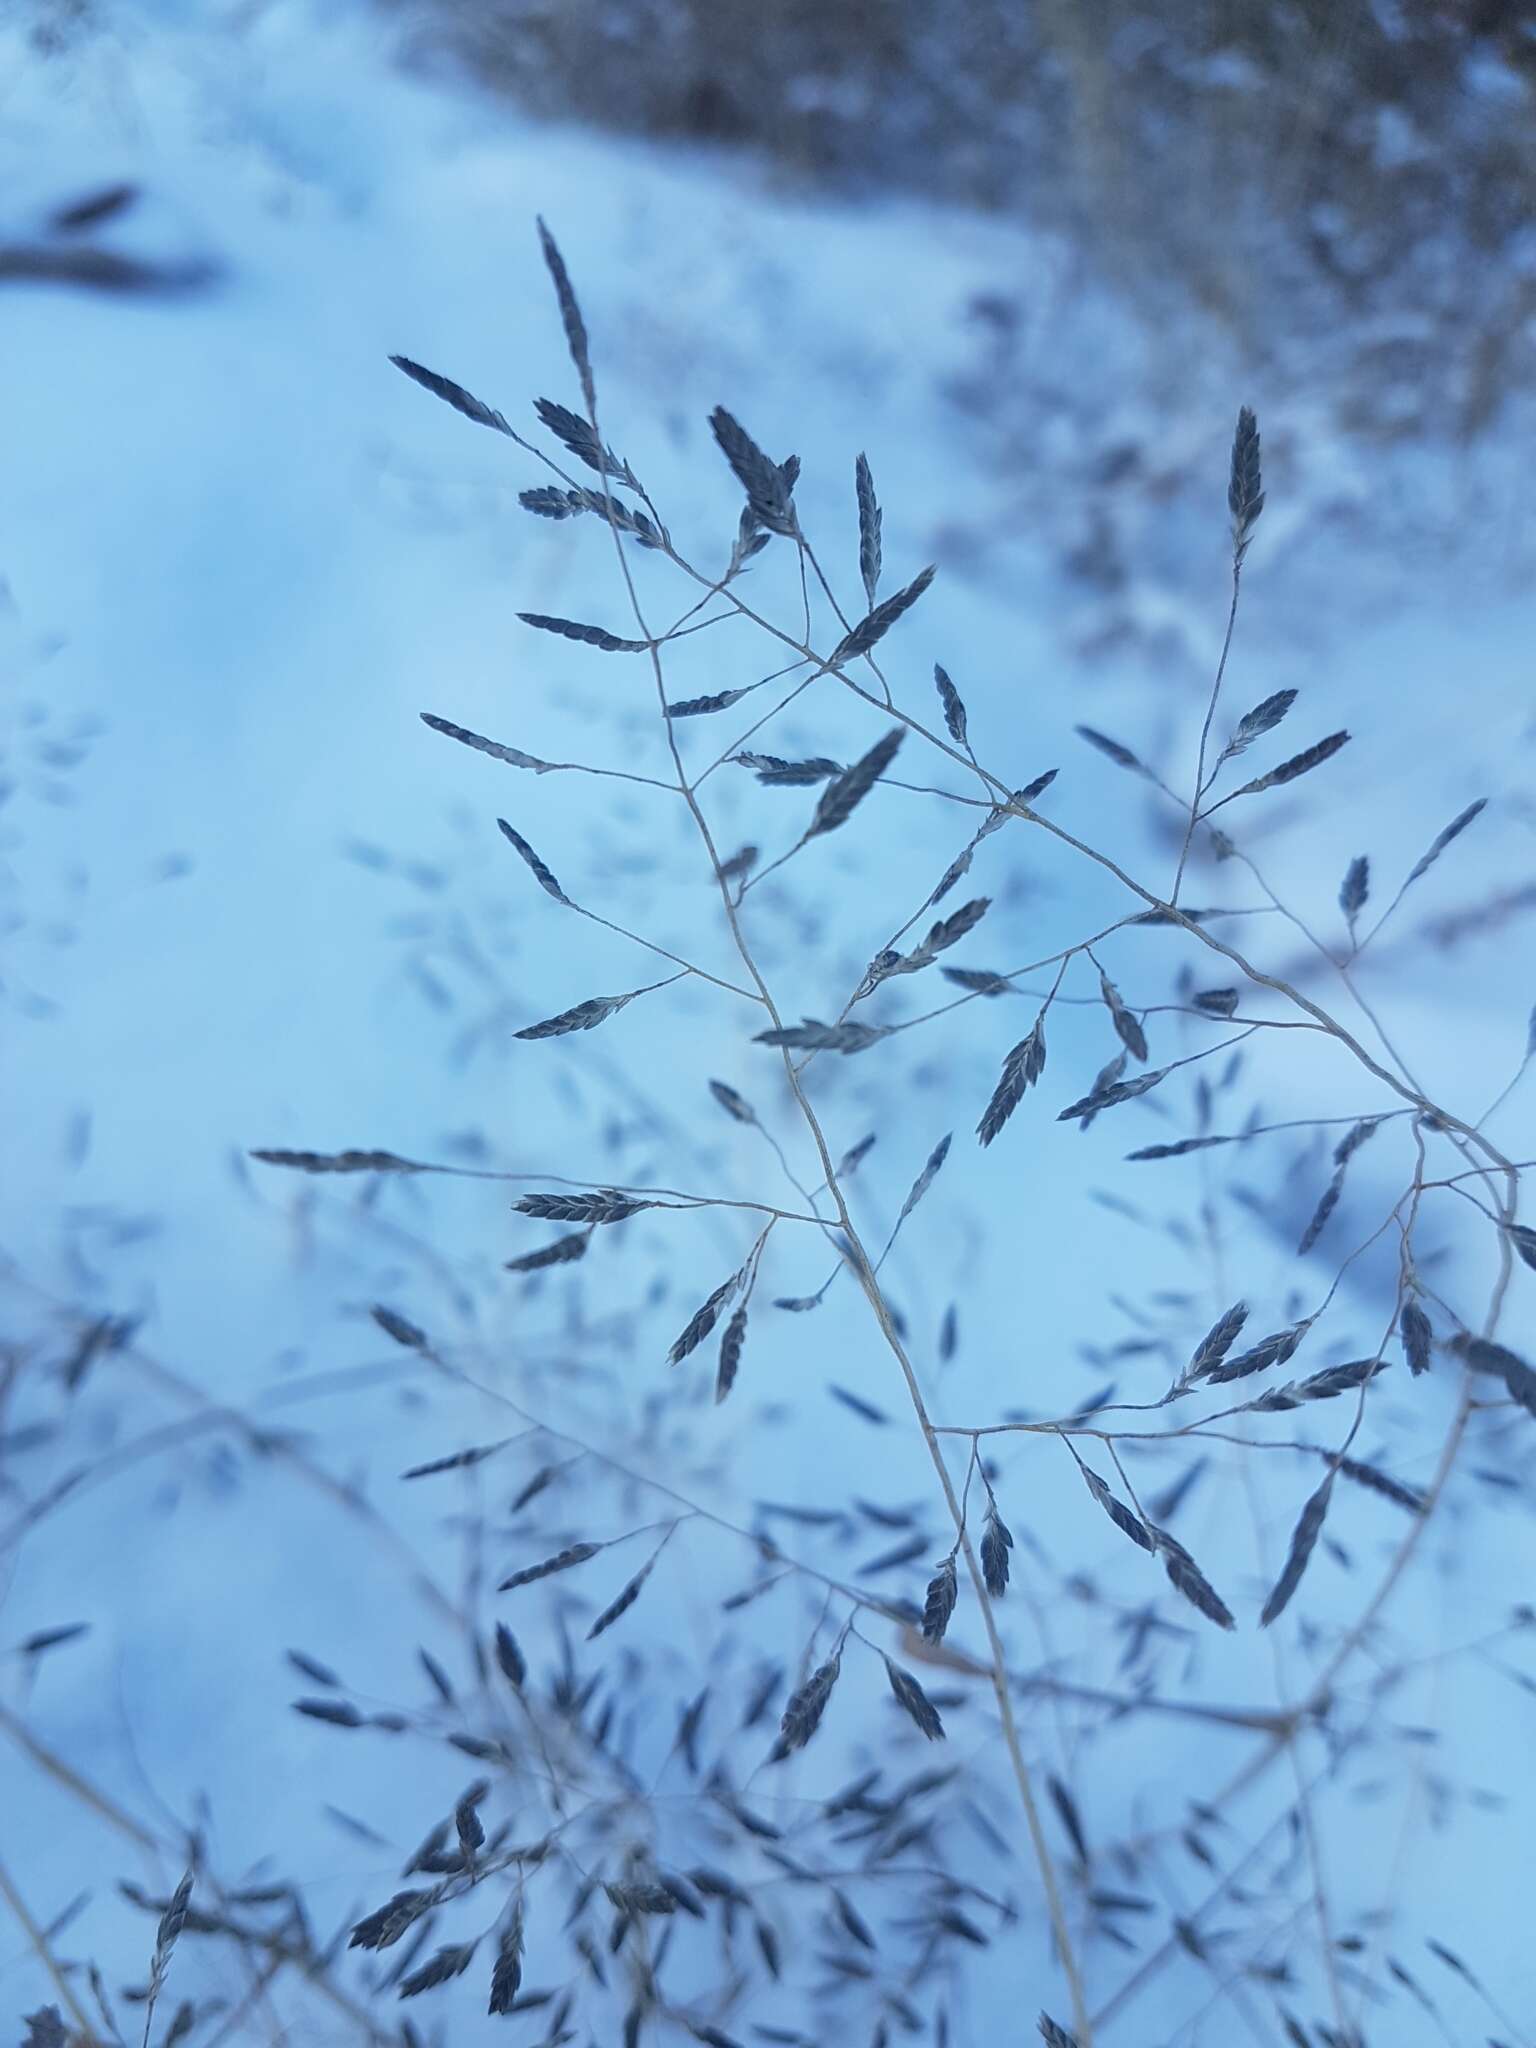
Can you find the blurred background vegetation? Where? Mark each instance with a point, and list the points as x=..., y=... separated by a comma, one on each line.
x=1323, y=171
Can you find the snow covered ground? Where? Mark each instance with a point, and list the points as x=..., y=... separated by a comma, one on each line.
x=251, y=901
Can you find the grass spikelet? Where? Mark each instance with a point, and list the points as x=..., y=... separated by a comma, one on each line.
x=1113, y=751
x=589, y=636
x=45, y=1639
x=539, y=871
x=939, y=1601
x=1127, y=1028
x=1454, y=830
x=701, y=707
x=869, y=527
x=577, y=437
x=1025, y=797
x=914, y=1701
x=804, y=1709
x=1299, y=764
x=1322, y=1386
x=1376, y=1481
x=996, y=1542
x=1217, y=1342
x=857, y=1405
x=1245, y=493
x=730, y=1353
x=340, y=1713
x=1309, y=1526
x=774, y=772
x=852, y=1921
x=878, y=621
x=1254, y=724
x=1125, y=1520
x=548, y=501
x=979, y=981
x=385, y=1927
x=947, y=932
x=1355, y=889
x=750, y=540
x=1523, y=1239
x=1273, y=1350
x=1354, y=1138
x=1021, y=1069
x=811, y=1035
x=562, y=1561
x=843, y=795
x=903, y=1553
x=583, y=1017
x=339, y=1162
x=853, y=1157
x=1216, y=1002
x=1108, y=1077
x=1485, y=1356
x=621, y=1603
x=1180, y=1147
x=570, y=315
x=769, y=491
x=954, y=709
x=926, y=1178
x=467, y=1823
x=1109, y=1094
x=703, y=1320
x=958, y=868
x=1054, y=2035
x=1325, y=1208
x=509, y=1657
x=507, y=1971
x=450, y=1961
x=404, y=1333
x=456, y=1461
x=1452, y=1961
x=1071, y=1819
x=688, y=1731
x=614, y=512
x=603, y=1206
x=167, y=1934
x=513, y=756
x=551, y=502
x=733, y=1102
x=452, y=394
x=438, y=1677
x=1187, y=1578
x=563, y=1252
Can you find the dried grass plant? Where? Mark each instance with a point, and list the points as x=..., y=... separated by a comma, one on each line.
x=595, y=1882
x=1360, y=148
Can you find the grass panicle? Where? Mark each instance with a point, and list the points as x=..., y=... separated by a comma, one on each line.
x=618, y=1821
